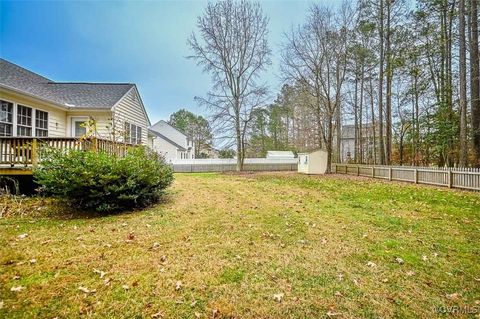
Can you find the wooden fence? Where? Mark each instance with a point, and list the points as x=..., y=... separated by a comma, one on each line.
x=24, y=150
x=465, y=178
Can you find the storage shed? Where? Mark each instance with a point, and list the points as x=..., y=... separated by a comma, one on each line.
x=313, y=163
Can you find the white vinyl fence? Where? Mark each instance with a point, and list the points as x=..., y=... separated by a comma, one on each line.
x=466, y=178
x=227, y=164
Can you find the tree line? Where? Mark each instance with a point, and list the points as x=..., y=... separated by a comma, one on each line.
x=395, y=81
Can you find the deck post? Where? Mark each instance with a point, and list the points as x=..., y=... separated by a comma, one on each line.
x=95, y=144
x=34, y=153
x=415, y=176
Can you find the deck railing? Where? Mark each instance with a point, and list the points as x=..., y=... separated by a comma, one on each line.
x=455, y=177
x=24, y=150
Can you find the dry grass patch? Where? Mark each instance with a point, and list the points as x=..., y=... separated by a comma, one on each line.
x=250, y=246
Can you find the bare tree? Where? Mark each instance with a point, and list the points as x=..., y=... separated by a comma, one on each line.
x=475, y=77
x=232, y=47
x=463, y=84
x=315, y=56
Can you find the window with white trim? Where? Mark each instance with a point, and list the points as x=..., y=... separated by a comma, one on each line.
x=24, y=120
x=6, y=118
x=41, y=123
x=133, y=133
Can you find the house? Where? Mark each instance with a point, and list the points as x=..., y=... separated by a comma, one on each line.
x=170, y=142
x=35, y=106
x=280, y=155
x=347, y=143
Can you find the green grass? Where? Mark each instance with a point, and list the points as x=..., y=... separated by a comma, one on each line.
x=224, y=245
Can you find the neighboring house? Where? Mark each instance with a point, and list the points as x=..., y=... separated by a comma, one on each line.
x=34, y=106
x=347, y=142
x=170, y=142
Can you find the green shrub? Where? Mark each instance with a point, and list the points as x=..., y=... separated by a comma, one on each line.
x=102, y=182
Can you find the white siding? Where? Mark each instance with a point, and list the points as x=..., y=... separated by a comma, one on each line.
x=56, y=116
x=164, y=148
x=102, y=118
x=130, y=110
x=171, y=133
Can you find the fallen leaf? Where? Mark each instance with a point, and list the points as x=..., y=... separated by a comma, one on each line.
x=155, y=245
x=101, y=273
x=17, y=288
x=107, y=281
x=157, y=315
x=178, y=285
x=333, y=314
x=86, y=290
x=424, y=258
x=278, y=297
x=410, y=273
x=338, y=294
x=126, y=287
x=23, y=236
x=1, y=304
x=399, y=260
x=371, y=264
x=33, y=261
x=131, y=236
x=453, y=296
x=16, y=277
x=197, y=314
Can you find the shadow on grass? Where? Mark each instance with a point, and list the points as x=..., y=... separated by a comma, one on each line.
x=48, y=207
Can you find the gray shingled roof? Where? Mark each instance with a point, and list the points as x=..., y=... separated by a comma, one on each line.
x=73, y=95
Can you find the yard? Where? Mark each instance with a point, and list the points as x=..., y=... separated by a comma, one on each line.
x=271, y=245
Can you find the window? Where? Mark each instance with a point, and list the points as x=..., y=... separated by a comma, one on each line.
x=41, y=123
x=133, y=133
x=24, y=121
x=6, y=118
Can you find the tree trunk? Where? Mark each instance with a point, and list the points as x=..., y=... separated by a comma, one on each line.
x=329, y=142
x=238, y=136
x=463, y=86
x=388, y=110
x=474, y=79
x=381, y=143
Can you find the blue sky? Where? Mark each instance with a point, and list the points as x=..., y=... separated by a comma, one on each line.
x=140, y=42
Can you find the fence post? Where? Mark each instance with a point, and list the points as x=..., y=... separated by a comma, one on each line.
x=34, y=152
x=415, y=176
x=335, y=168
x=389, y=173
x=450, y=178
x=358, y=170
x=373, y=171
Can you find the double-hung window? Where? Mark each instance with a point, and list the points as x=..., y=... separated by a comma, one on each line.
x=6, y=118
x=41, y=123
x=24, y=120
x=133, y=133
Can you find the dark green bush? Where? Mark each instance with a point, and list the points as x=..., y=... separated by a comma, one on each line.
x=102, y=182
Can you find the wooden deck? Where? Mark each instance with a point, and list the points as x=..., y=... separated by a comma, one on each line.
x=18, y=155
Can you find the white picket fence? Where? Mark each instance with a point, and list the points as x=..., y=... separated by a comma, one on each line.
x=465, y=178
x=225, y=165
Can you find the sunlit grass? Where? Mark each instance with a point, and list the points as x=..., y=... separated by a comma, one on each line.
x=248, y=246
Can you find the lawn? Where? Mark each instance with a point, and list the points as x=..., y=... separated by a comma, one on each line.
x=272, y=245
